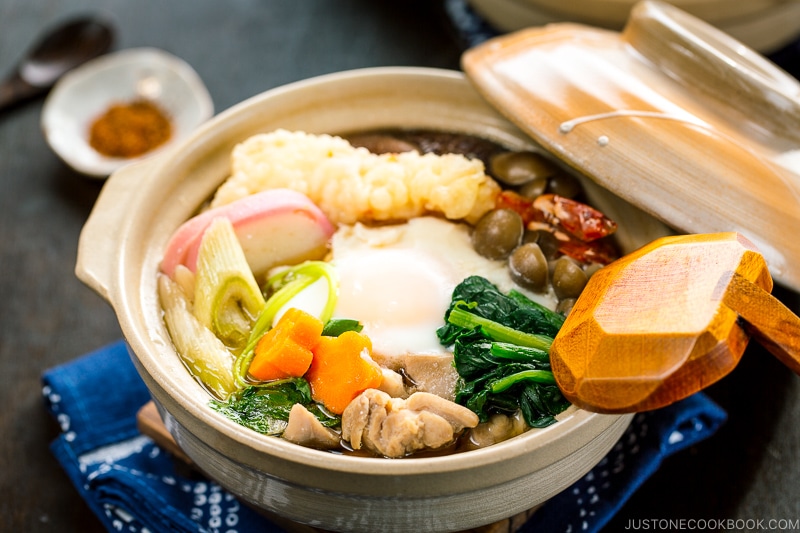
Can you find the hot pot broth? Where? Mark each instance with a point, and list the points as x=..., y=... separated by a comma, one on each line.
x=372, y=371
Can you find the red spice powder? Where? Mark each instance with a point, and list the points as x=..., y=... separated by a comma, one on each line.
x=130, y=129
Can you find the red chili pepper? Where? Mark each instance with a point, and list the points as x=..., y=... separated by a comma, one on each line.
x=518, y=203
x=576, y=218
x=598, y=251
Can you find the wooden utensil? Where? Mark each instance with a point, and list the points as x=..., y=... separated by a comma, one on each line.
x=667, y=321
x=661, y=114
x=58, y=51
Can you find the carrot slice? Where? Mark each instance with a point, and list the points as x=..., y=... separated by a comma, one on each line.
x=342, y=369
x=285, y=351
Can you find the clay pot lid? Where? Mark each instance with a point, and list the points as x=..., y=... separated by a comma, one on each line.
x=671, y=115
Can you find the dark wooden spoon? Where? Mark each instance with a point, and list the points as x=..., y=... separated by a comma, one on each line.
x=59, y=51
x=667, y=321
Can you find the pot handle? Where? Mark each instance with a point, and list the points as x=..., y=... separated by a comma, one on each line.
x=99, y=243
x=717, y=67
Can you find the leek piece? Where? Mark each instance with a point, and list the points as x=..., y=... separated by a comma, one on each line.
x=227, y=298
x=287, y=284
x=309, y=271
x=200, y=350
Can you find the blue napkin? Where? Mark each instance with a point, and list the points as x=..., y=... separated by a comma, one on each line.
x=133, y=485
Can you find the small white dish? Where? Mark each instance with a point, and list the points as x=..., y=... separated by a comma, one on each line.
x=86, y=92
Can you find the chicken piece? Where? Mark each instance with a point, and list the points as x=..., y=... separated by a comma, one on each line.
x=403, y=432
x=458, y=416
x=394, y=427
x=498, y=428
x=392, y=384
x=432, y=373
x=306, y=430
x=368, y=408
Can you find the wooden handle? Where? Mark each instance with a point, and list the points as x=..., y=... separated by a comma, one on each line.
x=15, y=90
x=712, y=63
x=770, y=322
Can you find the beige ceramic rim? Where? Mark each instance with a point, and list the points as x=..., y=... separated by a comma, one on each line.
x=764, y=25
x=118, y=256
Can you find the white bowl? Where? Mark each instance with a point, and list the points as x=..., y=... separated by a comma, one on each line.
x=86, y=92
x=124, y=240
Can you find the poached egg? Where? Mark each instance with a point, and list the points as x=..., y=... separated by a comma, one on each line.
x=398, y=281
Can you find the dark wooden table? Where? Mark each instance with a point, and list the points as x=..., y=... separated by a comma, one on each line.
x=749, y=470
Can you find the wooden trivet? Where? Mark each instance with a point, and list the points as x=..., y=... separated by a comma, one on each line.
x=149, y=423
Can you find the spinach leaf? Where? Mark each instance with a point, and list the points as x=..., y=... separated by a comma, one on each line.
x=514, y=310
x=336, y=326
x=265, y=408
x=500, y=370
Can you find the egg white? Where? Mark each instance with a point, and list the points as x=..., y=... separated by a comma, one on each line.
x=398, y=281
